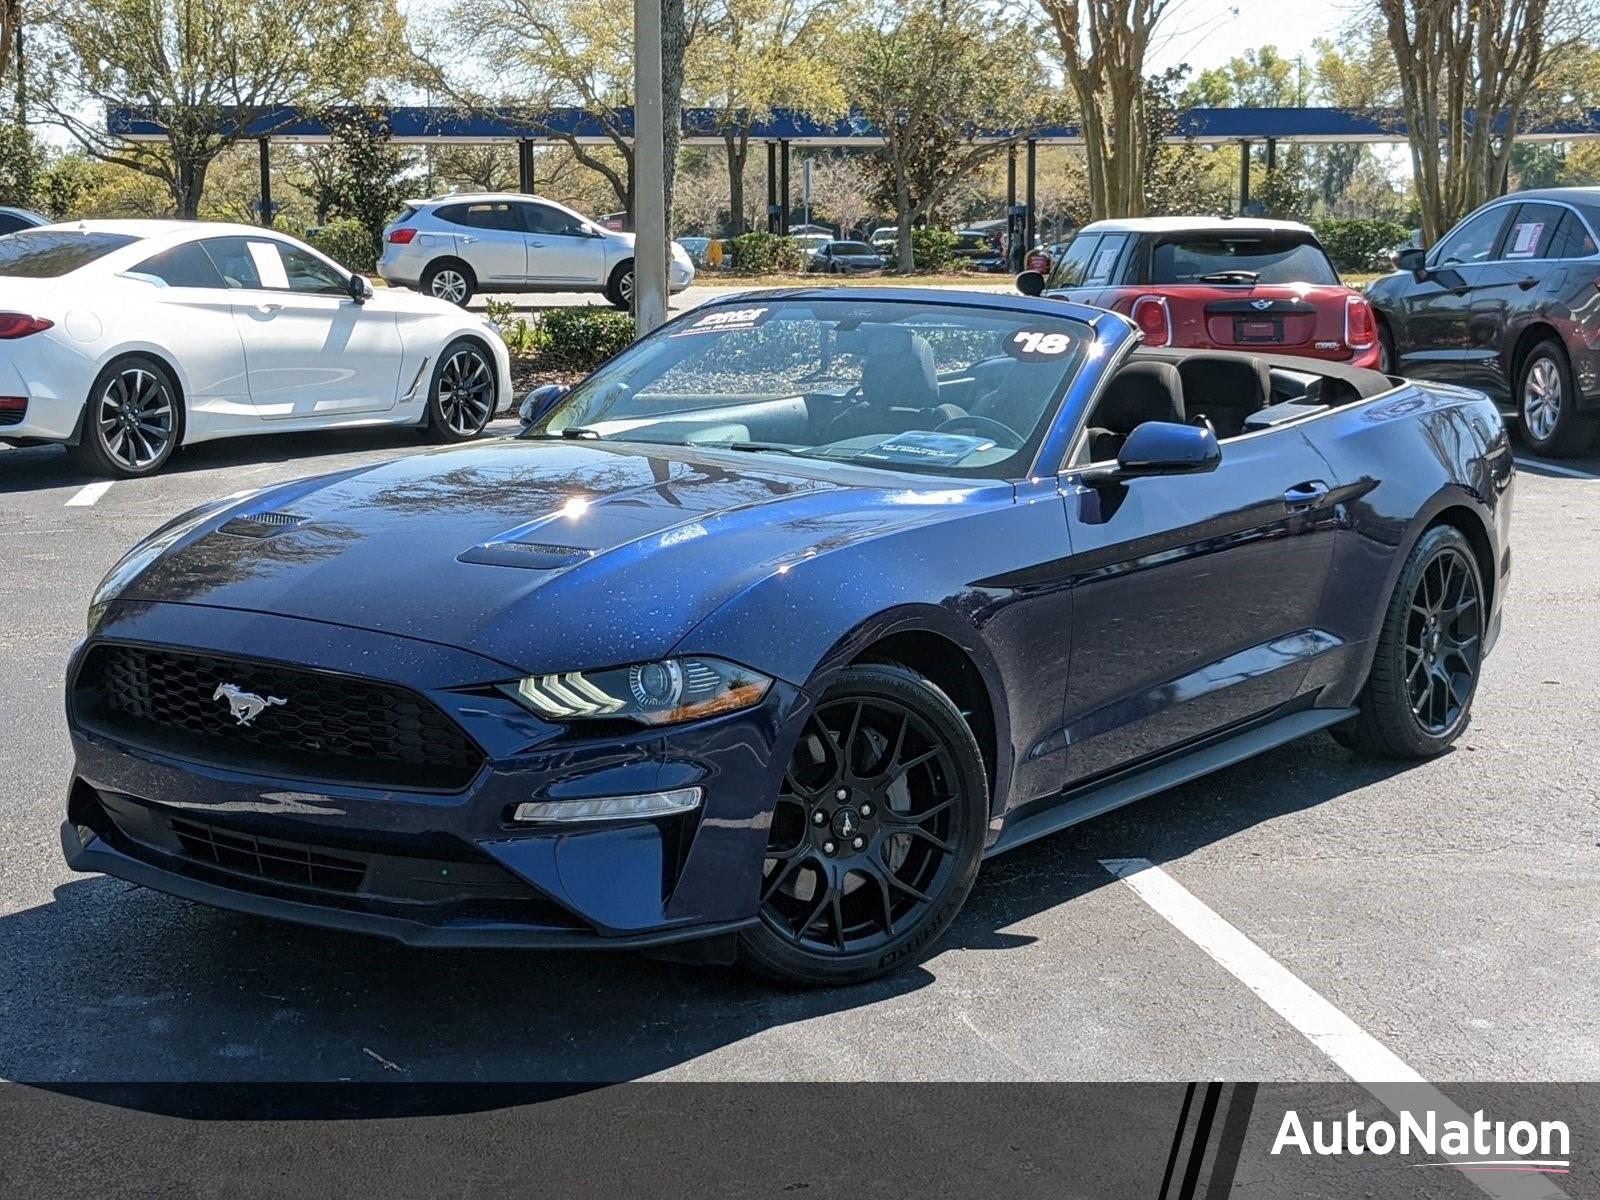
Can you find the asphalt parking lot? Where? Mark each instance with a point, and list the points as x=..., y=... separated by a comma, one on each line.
x=1448, y=910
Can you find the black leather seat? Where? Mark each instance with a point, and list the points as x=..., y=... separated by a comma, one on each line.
x=1012, y=392
x=1139, y=392
x=1225, y=390
x=897, y=373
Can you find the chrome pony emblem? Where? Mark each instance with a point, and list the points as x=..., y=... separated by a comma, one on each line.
x=244, y=707
x=1261, y=305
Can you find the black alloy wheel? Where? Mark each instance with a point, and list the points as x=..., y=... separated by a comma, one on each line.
x=876, y=835
x=133, y=420
x=461, y=399
x=1418, y=696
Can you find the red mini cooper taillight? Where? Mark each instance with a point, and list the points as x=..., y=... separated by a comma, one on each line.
x=1151, y=316
x=1360, y=327
x=16, y=325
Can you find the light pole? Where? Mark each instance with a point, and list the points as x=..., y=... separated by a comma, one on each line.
x=649, y=171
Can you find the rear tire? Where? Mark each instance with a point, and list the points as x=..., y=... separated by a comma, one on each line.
x=449, y=279
x=1418, y=695
x=619, y=288
x=1547, y=404
x=132, y=420
x=1386, y=361
x=876, y=834
x=462, y=396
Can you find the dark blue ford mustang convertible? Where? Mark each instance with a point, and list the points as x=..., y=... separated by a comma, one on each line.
x=775, y=626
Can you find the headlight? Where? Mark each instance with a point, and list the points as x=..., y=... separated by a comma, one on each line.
x=133, y=563
x=656, y=693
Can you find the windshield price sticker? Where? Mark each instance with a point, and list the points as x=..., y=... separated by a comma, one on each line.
x=725, y=320
x=1029, y=345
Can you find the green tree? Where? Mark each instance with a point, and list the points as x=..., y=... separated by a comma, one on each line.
x=1104, y=44
x=935, y=77
x=22, y=166
x=551, y=56
x=1459, y=60
x=764, y=54
x=366, y=178
x=204, y=69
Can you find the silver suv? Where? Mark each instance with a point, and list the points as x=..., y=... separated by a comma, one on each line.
x=453, y=247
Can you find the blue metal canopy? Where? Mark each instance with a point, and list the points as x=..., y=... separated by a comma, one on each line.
x=420, y=126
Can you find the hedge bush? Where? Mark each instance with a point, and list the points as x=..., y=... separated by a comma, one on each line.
x=348, y=243
x=932, y=249
x=564, y=340
x=1356, y=243
x=767, y=252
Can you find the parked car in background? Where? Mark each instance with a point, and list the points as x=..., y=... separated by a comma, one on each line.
x=885, y=236
x=1216, y=283
x=453, y=247
x=696, y=248
x=13, y=219
x=847, y=258
x=973, y=245
x=1507, y=302
x=760, y=633
x=126, y=339
x=810, y=243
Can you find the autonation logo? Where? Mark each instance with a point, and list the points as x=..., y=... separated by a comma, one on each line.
x=1478, y=1144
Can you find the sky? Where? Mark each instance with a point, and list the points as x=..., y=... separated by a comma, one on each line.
x=1207, y=33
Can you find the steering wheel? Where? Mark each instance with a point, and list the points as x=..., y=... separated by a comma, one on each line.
x=985, y=426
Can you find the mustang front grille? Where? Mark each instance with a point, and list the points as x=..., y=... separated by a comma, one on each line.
x=271, y=719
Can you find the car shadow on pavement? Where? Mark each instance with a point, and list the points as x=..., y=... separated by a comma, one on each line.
x=110, y=982
x=37, y=468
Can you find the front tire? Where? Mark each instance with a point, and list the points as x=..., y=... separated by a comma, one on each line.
x=876, y=835
x=1386, y=358
x=1547, y=404
x=461, y=398
x=1418, y=696
x=132, y=422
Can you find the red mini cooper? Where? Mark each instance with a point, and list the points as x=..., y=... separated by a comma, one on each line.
x=1216, y=283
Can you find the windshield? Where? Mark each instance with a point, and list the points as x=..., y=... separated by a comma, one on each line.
x=1265, y=258
x=906, y=386
x=46, y=254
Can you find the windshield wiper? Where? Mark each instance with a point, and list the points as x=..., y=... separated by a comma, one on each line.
x=756, y=448
x=571, y=433
x=1231, y=277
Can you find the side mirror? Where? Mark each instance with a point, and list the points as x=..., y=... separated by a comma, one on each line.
x=540, y=401
x=1030, y=283
x=1161, y=448
x=359, y=288
x=1412, y=259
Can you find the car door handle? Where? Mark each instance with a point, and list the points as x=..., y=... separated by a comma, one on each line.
x=467, y=241
x=268, y=308
x=533, y=243
x=1306, y=495
x=1527, y=283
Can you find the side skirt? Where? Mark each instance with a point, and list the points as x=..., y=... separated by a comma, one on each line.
x=1083, y=805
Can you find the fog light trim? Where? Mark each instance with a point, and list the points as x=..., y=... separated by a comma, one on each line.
x=609, y=808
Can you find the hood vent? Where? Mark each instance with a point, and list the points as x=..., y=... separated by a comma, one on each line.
x=536, y=556
x=262, y=524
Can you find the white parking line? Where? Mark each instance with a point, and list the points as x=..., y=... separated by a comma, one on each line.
x=1538, y=464
x=1354, y=1051
x=89, y=493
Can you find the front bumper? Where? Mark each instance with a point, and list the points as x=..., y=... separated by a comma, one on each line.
x=433, y=868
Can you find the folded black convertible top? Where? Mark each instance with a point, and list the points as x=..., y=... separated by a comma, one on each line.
x=1366, y=383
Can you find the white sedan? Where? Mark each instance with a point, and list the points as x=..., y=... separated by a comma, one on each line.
x=125, y=339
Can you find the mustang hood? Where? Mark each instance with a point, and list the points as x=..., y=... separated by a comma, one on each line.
x=543, y=555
